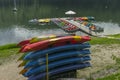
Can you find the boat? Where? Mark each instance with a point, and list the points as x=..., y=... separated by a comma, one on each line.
x=53, y=65
x=39, y=38
x=62, y=50
x=57, y=56
x=59, y=49
x=60, y=70
x=54, y=43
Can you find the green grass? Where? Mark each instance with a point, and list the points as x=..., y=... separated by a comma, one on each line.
x=111, y=77
x=96, y=40
x=11, y=49
x=116, y=35
x=8, y=50
x=117, y=59
x=8, y=46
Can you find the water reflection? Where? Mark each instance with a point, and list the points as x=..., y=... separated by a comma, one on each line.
x=14, y=26
x=19, y=33
x=109, y=28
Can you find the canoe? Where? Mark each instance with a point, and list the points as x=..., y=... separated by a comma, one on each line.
x=41, y=45
x=52, y=65
x=40, y=53
x=57, y=56
x=39, y=38
x=60, y=70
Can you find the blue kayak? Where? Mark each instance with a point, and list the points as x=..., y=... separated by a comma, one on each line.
x=57, y=56
x=60, y=70
x=38, y=54
x=52, y=65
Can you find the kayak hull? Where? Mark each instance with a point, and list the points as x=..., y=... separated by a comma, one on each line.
x=60, y=70
x=40, y=53
x=54, y=43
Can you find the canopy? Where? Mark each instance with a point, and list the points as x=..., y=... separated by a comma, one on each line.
x=70, y=12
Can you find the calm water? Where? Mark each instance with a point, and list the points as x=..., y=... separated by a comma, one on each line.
x=14, y=27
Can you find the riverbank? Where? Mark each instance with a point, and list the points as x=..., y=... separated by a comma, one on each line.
x=9, y=69
x=105, y=61
x=101, y=61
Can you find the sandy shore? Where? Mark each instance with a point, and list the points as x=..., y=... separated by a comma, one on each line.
x=101, y=57
x=10, y=70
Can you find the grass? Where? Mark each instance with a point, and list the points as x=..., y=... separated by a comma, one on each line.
x=11, y=49
x=115, y=76
x=96, y=40
x=111, y=77
x=8, y=46
x=8, y=50
x=116, y=35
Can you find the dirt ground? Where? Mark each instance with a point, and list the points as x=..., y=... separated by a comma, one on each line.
x=10, y=71
x=101, y=57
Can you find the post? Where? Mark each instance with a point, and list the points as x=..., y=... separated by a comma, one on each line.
x=47, y=68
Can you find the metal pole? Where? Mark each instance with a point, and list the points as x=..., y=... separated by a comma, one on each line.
x=47, y=68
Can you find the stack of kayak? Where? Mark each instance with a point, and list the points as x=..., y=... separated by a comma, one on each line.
x=65, y=53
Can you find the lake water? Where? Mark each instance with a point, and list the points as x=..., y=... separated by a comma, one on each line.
x=14, y=27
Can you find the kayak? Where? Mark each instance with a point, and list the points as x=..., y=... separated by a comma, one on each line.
x=41, y=45
x=39, y=38
x=90, y=18
x=40, y=53
x=42, y=61
x=22, y=43
x=33, y=58
x=55, y=57
x=53, y=65
x=60, y=70
x=22, y=57
x=66, y=26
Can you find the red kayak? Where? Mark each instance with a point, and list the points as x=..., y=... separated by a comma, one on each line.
x=54, y=43
x=40, y=38
x=22, y=43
